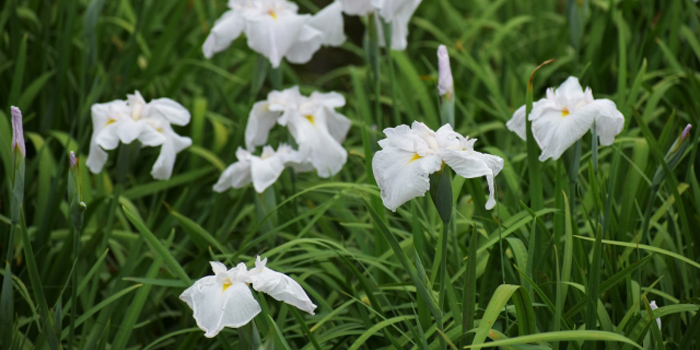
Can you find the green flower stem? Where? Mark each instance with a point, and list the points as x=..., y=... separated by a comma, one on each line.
x=536, y=196
x=447, y=114
x=35, y=281
x=276, y=78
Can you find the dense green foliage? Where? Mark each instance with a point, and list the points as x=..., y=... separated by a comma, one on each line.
x=607, y=240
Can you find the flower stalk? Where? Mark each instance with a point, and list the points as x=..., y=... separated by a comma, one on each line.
x=77, y=210
x=533, y=166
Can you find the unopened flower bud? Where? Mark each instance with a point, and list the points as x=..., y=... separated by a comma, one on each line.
x=73, y=160
x=18, y=131
x=686, y=132
x=445, y=81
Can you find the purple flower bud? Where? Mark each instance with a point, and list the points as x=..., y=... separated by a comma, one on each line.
x=73, y=160
x=18, y=131
x=445, y=81
x=686, y=132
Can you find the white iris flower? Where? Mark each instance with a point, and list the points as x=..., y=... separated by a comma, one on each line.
x=224, y=299
x=313, y=122
x=410, y=155
x=565, y=115
x=134, y=119
x=396, y=12
x=276, y=30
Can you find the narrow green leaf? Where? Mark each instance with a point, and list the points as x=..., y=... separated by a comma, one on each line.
x=158, y=247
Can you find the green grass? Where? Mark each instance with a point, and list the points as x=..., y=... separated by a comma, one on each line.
x=574, y=270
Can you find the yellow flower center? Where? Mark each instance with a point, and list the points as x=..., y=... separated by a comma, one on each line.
x=111, y=121
x=310, y=118
x=415, y=157
x=564, y=112
x=272, y=14
x=227, y=283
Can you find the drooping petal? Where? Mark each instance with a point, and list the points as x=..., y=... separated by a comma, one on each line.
x=402, y=175
x=398, y=13
x=307, y=43
x=107, y=137
x=274, y=36
x=226, y=29
x=152, y=135
x=236, y=175
x=517, y=124
x=287, y=102
x=447, y=138
x=174, y=143
x=327, y=99
x=329, y=22
x=281, y=287
x=337, y=124
x=608, y=120
x=104, y=118
x=265, y=170
x=317, y=144
x=470, y=164
x=241, y=307
x=169, y=110
x=128, y=129
x=96, y=158
x=260, y=122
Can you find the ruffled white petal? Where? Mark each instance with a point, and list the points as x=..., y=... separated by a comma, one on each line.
x=265, y=170
x=398, y=13
x=128, y=129
x=329, y=22
x=225, y=30
x=273, y=37
x=260, y=122
x=517, y=124
x=215, y=307
x=555, y=133
x=217, y=267
x=108, y=137
x=152, y=136
x=317, y=144
x=169, y=110
x=327, y=99
x=357, y=7
x=608, y=120
x=570, y=89
x=280, y=286
x=235, y=175
x=307, y=43
x=401, y=175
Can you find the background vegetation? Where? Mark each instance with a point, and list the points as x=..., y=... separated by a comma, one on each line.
x=144, y=239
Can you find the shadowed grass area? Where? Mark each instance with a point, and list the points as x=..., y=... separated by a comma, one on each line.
x=576, y=272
